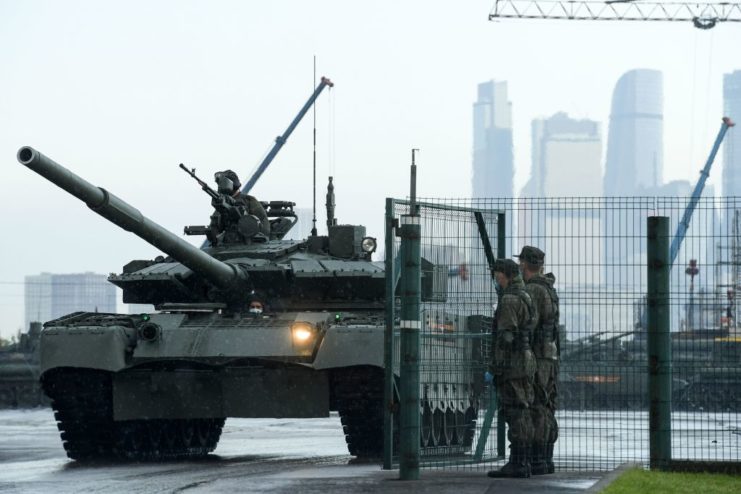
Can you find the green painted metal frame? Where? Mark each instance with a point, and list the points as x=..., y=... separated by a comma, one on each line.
x=659, y=343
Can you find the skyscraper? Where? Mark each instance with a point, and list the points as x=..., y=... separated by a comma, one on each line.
x=566, y=161
x=48, y=296
x=732, y=141
x=566, y=158
x=493, y=162
x=635, y=146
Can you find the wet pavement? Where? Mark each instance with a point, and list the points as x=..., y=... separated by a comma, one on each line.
x=254, y=455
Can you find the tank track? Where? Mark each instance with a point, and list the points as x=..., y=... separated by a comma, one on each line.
x=359, y=400
x=82, y=401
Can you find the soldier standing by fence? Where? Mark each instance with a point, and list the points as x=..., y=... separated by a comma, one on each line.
x=545, y=347
x=513, y=366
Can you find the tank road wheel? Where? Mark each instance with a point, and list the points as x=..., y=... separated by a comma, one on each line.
x=426, y=426
x=131, y=439
x=172, y=440
x=156, y=435
x=438, y=424
x=461, y=427
x=470, y=419
x=187, y=429
x=449, y=427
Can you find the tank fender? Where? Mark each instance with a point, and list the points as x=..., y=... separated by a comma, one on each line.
x=92, y=347
x=345, y=346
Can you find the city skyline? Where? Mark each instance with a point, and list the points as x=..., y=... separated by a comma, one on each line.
x=632, y=162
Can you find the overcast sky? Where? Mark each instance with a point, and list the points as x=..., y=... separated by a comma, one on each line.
x=121, y=92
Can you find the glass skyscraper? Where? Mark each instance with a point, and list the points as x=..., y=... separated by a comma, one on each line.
x=732, y=140
x=635, y=145
x=493, y=161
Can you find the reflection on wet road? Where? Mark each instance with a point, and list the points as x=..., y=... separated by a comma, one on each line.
x=32, y=458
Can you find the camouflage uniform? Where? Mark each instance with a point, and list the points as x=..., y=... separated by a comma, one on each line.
x=545, y=348
x=254, y=207
x=251, y=204
x=513, y=366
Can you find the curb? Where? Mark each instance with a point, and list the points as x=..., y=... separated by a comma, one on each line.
x=612, y=476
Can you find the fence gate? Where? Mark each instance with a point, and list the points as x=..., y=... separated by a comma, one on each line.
x=458, y=424
x=596, y=247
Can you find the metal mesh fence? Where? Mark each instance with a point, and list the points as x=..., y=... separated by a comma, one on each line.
x=596, y=248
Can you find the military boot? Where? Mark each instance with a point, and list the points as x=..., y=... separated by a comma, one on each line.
x=538, y=463
x=518, y=465
x=550, y=467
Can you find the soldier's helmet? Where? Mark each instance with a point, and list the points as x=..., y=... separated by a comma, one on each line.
x=532, y=255
x=231, y=175
x=508, y=267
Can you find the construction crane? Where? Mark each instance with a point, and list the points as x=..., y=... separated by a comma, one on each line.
x=684, y=224
x=704, y=15
x=281, y=139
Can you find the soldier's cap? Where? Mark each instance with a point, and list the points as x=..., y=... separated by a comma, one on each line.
x=231, y=175
x=508, y=267
x=532, y=255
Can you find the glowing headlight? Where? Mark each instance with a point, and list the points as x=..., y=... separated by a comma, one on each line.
x=302, y=332
x=368, y=245
x=304, y=336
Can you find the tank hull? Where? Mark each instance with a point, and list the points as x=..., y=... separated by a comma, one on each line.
x=198, y=368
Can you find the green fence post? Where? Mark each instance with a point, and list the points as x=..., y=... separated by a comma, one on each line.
x=388, y=341
x=410, y=284
x=659, y=343
x=501, y=252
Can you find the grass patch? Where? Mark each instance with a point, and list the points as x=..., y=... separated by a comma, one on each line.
x=639, y=480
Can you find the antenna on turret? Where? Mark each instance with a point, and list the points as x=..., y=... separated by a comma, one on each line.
x=413, y=210
x=331, y=220
x=313, y=219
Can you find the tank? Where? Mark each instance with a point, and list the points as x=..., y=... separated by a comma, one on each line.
x=250, y=325
x=19, y=372
x=612, y=373
x=608, y=373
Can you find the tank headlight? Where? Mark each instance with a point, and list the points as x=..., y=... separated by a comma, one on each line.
x=368, y=245
x=301, y=334
x=304, y=338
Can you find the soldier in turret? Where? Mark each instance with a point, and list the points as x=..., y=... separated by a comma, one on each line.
x=545, y=348
x=513, y=366
x=251, y=204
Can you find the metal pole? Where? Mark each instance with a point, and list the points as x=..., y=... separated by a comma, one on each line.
x=411, y=283
x=501, y=253
x=388, y=341
x=659, y=343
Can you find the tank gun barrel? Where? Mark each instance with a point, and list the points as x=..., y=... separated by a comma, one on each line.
x=129, y=218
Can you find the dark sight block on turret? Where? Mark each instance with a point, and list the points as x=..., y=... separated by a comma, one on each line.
x=345, y=240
